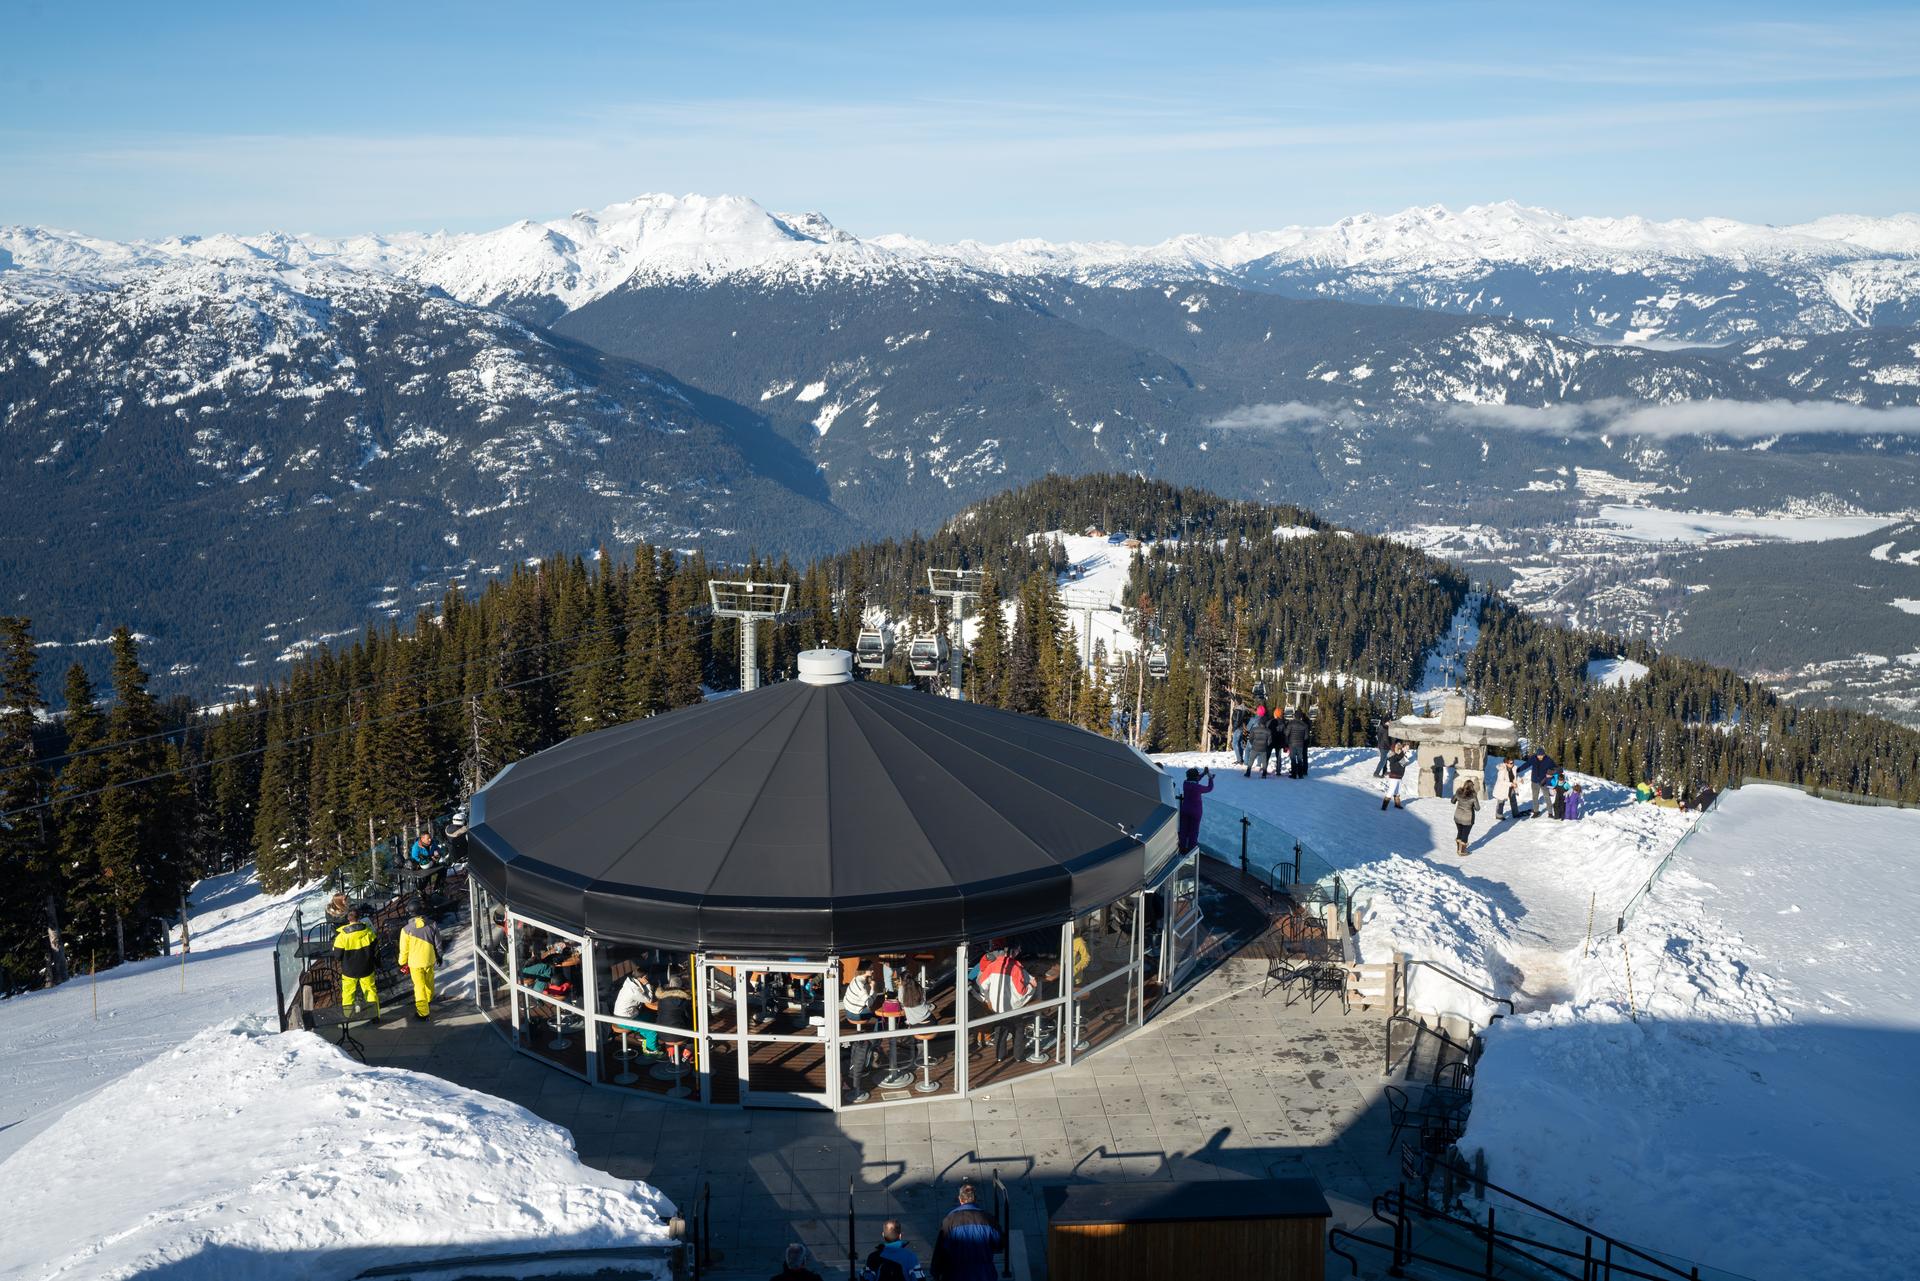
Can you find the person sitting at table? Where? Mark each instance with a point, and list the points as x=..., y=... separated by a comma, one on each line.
x=915, y=1004
x=673, y=999
x=337, y=910
x=637, y=1000
x=856, y=1006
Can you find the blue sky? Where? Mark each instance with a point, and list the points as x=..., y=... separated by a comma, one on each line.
x=1107, y=120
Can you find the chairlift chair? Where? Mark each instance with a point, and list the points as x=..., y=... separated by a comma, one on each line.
x=928, y=655
x=870, y=651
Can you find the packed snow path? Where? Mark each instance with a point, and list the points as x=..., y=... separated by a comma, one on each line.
x=1507, y=916
x=1732, y=1079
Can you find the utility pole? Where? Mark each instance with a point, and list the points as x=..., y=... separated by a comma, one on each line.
x=959, y=586
x=748, y=601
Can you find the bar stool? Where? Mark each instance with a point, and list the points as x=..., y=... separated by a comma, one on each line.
x=927, y=1084
x=624, y=1058
x=1080, y=1042
x=560, y=1041
x=857, y=1057
x=896, y=1076
x=1038, y=1053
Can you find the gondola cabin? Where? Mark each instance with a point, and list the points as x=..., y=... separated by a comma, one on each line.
x=1157, y=662
x=928, y=656
x=870, y=651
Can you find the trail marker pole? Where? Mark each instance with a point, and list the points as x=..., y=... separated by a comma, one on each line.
x=93, y=982
x=1584, y=947
x=1627, y=956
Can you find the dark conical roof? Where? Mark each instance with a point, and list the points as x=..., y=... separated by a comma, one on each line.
x=806, y=818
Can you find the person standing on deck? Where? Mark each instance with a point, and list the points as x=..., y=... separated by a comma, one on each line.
x=419, y=957
x=353, y=949
x=1190, y=793
x=968, y=1240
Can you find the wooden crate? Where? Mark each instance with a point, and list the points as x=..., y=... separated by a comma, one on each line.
x=1248, y=1229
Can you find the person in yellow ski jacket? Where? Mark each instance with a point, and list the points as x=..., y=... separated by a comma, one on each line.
x=353, y=947
x=419, y=954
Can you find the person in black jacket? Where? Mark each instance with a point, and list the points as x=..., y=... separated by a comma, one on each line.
x=1396, y=775
x=353, y=948
x=1382, y=739
x=1299, y=734
x=968, y=1240
x=1259, y=742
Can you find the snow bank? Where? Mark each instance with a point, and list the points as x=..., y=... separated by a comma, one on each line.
x=244, y=1153
x=54, y=1049
x=1758, y=1116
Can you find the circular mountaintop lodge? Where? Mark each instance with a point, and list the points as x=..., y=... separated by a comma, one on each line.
x=827, y=893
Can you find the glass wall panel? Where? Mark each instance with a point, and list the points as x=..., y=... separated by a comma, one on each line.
x=896, y=1018
x=1104, y=973
x=645, y=999
x=489, y=926
x=1015, y=1003
x=554, y=1031
x=496, y=995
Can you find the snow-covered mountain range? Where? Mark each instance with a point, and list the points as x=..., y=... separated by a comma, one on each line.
x=1700, y=281
x=701, y=371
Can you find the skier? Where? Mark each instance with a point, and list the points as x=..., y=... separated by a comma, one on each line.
x=1396, y=774
x=1190, y=793
x=1506, y=800
x=1383, y=739
x=419, y=955
x=1259, y=742
x=353, y=949
x=1466, y=803
x=1299, y=732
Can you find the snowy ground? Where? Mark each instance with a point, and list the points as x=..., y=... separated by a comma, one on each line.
x=1658, y=525
x=1759, y=1115
x=54, y=1051
x=245, y=1153
x=1510, y=917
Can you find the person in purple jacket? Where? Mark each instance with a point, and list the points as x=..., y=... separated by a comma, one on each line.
x=1190, y=793
x=1574, y=802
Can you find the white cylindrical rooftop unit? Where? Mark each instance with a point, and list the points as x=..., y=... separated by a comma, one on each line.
x=826, y=667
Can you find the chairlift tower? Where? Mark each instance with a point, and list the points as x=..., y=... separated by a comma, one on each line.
x=1086, y=602
x=748, y=601
x=959, y=586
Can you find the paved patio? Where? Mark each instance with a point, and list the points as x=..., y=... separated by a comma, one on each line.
x=1228, y=1084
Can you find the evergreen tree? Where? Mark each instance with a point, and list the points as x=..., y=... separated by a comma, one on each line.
x=31, y=948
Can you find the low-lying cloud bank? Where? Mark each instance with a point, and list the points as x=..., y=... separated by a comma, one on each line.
x=1742, y=419
x=1738, y=419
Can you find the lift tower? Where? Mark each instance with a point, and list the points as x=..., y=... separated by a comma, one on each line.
x=959, y=586
x=749, y=602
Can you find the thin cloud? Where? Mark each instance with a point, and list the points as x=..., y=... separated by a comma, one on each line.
x=1732, y=419
x=1271, y=417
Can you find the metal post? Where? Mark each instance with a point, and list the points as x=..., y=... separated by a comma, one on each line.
x=853, y=1266
x=1296, y=862
x=956, y=647
x=749, y=654
x=1245, y=823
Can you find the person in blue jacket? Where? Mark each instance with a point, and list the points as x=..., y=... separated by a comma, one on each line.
x=968, y=1240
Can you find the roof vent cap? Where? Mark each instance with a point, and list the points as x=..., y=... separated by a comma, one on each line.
x=826, y=667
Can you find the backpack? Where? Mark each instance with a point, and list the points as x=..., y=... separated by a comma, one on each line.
x=881, y=1268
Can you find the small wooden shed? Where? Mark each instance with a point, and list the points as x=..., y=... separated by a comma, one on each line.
x=1248, y=1229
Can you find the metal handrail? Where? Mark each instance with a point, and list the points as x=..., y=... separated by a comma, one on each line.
x=1471, y=986
x=1611, y=1242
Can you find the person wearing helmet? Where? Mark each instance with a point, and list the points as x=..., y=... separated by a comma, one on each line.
x=419, y=956
x=353, y=947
